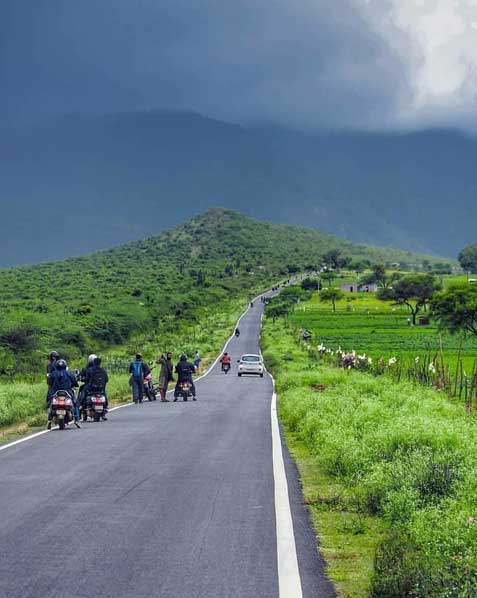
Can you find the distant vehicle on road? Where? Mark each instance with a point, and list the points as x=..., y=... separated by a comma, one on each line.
x=251, y=364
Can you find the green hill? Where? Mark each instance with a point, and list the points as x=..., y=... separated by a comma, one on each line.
x=149, y=289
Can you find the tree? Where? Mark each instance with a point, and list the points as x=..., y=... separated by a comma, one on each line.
x=332, y=296
x=328, y=277
x=358, y=266
x=468, y=258
x=378, y=276
x=331, y=259
x=310, y=284
x=456, y=308
x=413, y=290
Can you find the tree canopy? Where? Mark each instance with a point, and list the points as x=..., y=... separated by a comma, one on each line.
x=456, y=308
x=331, y=295
x=413, y=290
x=468, y=258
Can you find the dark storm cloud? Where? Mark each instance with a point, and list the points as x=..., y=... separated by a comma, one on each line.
x=297, y=62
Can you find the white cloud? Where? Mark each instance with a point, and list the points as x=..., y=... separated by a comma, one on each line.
x=339, y=63
x=440, y=58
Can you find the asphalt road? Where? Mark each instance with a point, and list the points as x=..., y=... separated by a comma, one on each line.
x=165, y=499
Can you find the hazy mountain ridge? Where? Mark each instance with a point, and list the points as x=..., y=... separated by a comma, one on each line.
x=80, y=183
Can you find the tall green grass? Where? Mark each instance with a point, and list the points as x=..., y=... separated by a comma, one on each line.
x=405, y=453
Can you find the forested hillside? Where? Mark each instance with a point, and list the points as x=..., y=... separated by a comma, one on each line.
x=162, y=284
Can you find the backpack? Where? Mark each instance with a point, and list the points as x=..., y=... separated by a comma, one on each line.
x=97, y=378
x=137, y=370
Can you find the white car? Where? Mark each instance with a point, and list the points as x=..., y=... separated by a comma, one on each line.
x=251, y=364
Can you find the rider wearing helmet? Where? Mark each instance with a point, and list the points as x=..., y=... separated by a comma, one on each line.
x=96, y=381
x=62, y=379
x=184, y=371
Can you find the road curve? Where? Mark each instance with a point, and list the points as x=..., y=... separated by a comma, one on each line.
x=165, y=499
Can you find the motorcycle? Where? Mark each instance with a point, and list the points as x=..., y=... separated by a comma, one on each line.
x=149, y=389
x=237, y=333
x=61, y=409
x=185, y=390
x=226, y=368
x=94, y=407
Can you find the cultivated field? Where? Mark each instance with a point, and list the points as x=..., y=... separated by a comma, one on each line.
x=367, y=325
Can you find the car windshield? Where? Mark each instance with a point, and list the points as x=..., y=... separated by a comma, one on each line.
x=251, y=358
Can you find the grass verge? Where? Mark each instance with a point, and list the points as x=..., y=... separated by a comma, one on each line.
x=348, y=539
x=404, y=468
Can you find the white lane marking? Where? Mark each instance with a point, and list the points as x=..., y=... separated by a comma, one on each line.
x=19, y=441
x=289, y=582
x=130, y=404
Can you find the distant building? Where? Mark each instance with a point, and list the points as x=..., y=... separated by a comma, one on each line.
x=359, y=288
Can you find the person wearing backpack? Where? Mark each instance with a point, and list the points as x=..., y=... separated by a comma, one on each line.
x=96, y=380
x=138, y=370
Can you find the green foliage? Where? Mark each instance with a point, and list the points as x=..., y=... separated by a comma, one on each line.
x=456, y=308
x=413, y=290
x=380, y=276
x=468, y=258
x=402, y=452
x=281, y=304
x=310, y=284
x=331, y=296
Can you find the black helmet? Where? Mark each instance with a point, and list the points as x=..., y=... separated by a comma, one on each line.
x=61, y=364
x=54, y=355
x=183, y=357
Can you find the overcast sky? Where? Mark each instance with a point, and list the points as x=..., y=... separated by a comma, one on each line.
x=339, y=63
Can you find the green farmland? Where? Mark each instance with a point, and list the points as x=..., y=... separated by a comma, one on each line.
x=367, y=325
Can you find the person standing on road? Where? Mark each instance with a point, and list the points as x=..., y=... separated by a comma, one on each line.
x=197, y=361
x=138, y=370
x=165, y=375
x=50, y=367
x=83, y=377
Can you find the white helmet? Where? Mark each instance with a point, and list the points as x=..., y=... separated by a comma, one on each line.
x=91, y=358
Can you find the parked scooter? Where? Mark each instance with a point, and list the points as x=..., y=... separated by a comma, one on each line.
x=94, y=407
x=61, y=409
